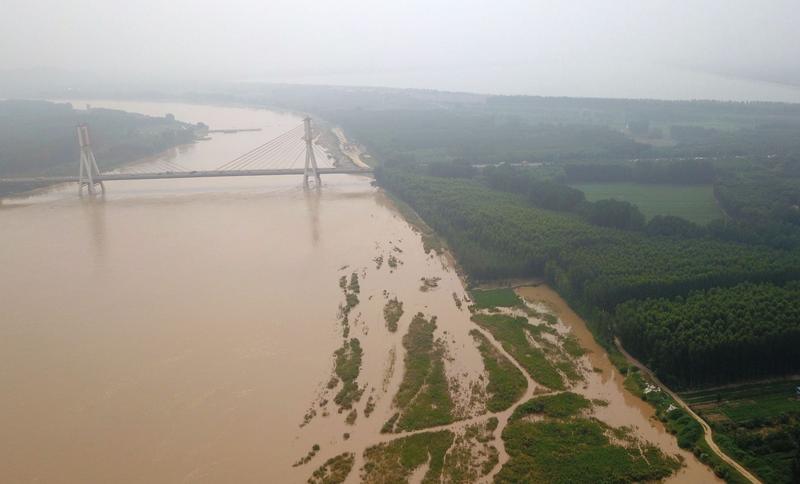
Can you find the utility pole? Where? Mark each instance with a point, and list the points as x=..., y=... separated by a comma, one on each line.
x=88, y=164
x=310, y=159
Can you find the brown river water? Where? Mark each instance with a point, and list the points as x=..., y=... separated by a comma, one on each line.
x=179, y=330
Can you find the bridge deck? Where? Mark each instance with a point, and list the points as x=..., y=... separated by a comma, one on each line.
x=187, y=174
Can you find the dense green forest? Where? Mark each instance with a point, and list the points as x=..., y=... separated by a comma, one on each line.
x=748, y=330
x=38, y=137
x=497, y=234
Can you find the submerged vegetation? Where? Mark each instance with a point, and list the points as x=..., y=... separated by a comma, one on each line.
x=307, y=458
x=335, y=470
x=395, y=461
x=542, y=361
x=472, y=455
x=351, y=291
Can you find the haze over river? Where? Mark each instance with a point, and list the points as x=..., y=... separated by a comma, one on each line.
x=179, y=330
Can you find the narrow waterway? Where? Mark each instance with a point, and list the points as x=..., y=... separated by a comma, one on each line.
x=603, y=381
x=181, y=330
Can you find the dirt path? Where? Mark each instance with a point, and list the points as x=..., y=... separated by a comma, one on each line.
x=350, y=149
x=707, y=432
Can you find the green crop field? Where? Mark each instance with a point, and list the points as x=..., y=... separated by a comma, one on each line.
x=744, y=403
x=693, y=202
x=756, y=424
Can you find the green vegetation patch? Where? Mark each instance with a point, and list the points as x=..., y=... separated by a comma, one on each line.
x=513, y=332
x=560, y=405
x=347, y=368
x=579, y=451
x=392, y=312
x=423, y=398
x=395, y=461
x=506, y=383
x=335, y=470
x=351, y=291
x=495, y=298
x=695, y=203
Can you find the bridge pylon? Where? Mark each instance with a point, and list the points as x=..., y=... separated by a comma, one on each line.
x=311, y=161
x=88, y=165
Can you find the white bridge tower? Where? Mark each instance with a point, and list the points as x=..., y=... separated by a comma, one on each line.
x=310, y=159
x=88, y=165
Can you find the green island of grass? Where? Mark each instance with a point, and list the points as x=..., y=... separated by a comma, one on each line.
x=423, y=399
x=506, y=383
x=567, y=448
x=392, y=312
x=561, y=405
x=347, y=368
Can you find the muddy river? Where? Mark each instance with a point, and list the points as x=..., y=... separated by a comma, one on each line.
x=181, y=330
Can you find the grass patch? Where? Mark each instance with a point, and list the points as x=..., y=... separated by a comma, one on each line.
x=512, y=333
x=496, y=298
x=424, y=396
x=560, y=405
x=695, y=203
x=392, y=312
x=506, y=383
x=579, y=451
x=395, y=461
x=347, y=368
x=334, y=471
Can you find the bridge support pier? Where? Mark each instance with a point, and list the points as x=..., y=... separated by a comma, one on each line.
x=88, y=165
x=311, y=161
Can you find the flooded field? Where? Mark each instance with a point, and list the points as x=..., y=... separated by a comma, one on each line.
x=187, y=330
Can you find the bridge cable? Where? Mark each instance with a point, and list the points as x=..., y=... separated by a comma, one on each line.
x=259, y=150
x=279, y=156
x=277, y=151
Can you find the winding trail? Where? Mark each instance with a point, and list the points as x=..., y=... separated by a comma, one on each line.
x=502, y=418
x=708, y=434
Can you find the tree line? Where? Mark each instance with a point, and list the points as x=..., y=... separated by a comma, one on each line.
x=38, y=137
x=716, y=335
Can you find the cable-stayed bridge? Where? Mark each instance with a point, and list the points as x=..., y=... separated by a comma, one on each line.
x=291, y=153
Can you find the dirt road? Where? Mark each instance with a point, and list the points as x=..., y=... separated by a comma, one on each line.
x=707, y=432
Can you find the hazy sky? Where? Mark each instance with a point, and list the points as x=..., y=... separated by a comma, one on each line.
x=619, y=48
